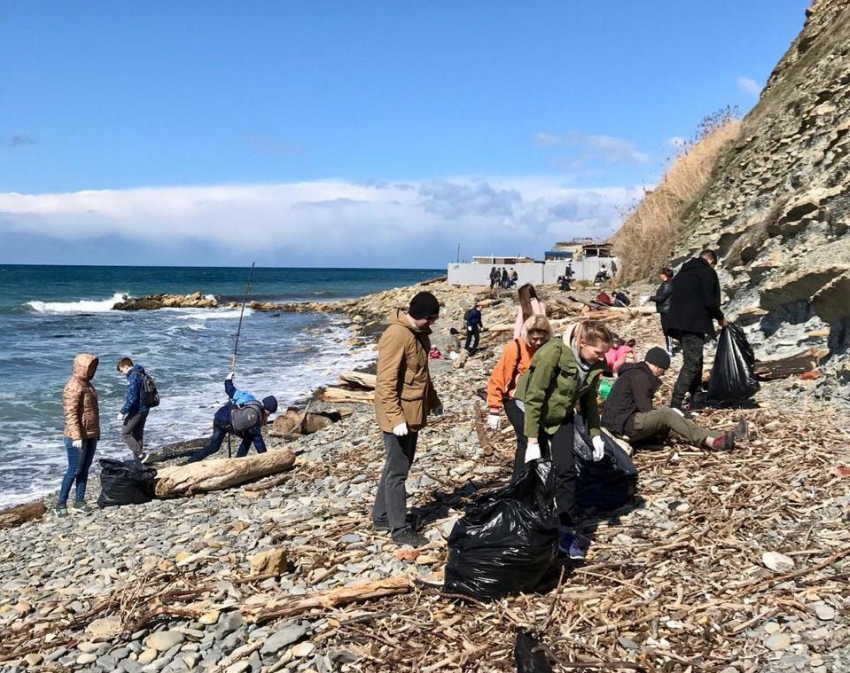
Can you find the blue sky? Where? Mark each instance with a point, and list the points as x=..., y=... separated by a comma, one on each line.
x=157, y=128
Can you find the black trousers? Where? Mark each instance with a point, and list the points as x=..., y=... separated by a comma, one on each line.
x=391, y=499
x=690, y=375
x=668, y=340
x=560, y=447
x=133, y=432
x=472, y=336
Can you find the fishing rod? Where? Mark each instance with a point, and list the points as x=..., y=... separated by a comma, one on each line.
x=241, y=315
x=238, y=332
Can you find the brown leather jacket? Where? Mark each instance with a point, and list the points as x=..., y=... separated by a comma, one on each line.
x=404, y=392
x=79, y=400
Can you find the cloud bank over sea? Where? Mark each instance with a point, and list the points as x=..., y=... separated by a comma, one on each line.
x=316, y=223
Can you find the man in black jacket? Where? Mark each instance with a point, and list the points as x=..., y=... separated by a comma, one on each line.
x=473, y=328
x=628, y=410
x=662, y=304
x=694, y=305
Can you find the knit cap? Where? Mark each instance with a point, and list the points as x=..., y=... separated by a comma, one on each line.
x=424, y=305
x=658, y=357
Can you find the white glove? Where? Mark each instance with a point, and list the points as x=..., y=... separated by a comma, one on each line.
x=494, y=421
x=598, y=448
x=77, y=443
x=119, y=417
x=532, y=452
x=400, y=430
x=230, y=376
x=437, y=411
x=679, y=411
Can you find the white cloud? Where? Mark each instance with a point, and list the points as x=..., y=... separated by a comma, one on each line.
x=326, y=222
x=584, y=149
x=749, y=86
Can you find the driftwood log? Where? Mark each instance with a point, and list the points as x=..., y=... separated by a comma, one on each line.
x=15, y=516
x=341, y=395
x=358, y=380
x=216, y=475
x=793, y=365
x=486, y=447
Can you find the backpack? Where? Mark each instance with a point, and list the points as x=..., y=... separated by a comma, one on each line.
x=246, y=417
x=148, y=395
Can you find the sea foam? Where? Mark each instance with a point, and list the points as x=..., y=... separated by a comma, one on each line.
x=81, y=306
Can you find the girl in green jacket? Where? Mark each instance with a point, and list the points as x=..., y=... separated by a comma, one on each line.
x=563, y=373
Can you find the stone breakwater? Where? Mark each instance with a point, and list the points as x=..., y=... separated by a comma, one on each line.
x=675, y=579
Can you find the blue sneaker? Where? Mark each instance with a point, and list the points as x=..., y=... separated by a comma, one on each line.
x=568, y=545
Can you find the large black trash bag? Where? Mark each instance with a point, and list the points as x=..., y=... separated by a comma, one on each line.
x=527, y=658
x=125, y=483
x=507, y=540
x=732, y=377
x=608, y=484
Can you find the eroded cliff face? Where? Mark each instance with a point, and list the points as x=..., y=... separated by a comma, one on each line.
x=777, y=207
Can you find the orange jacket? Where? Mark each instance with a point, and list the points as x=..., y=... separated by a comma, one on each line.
x=509, y=368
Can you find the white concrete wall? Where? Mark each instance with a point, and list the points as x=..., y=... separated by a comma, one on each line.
x=465, y=273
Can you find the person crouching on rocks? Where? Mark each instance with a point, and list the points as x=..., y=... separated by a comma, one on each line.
x=515, y=360
x=242, y=416
x=563, y=373
x=629, y=410
x=404, y=396
x=82, y=430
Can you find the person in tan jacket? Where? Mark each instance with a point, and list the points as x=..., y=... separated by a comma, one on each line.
x=404, y=396
x=82, y=430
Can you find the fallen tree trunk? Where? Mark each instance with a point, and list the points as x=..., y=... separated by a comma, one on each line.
x=261, y=608
x=793, y=365
x=341, y=395
x=359, y=379
x=215, y=475
x=15, y=516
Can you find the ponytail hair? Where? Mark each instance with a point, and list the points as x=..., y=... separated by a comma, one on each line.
x=592, y=332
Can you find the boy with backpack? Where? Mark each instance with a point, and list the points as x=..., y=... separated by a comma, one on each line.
x=140, y=398
x=243, y=416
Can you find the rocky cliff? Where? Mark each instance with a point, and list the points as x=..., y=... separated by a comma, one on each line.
x=777, y=207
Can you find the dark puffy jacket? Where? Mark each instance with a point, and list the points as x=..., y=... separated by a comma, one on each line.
x=222, y=416
x=133, y=403
x=473, y=318
x=695, y=302
x=632, y=393
x=662, y=296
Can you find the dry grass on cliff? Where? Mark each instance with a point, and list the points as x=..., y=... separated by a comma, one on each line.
x=654, y=227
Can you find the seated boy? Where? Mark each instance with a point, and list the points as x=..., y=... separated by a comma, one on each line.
x=628, y=410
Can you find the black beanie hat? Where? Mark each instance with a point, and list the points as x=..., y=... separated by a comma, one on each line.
x=270, y=404
x=658, y=357
x=423, y=305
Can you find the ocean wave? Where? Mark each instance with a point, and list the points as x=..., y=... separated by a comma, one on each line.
x=81, y=306
x=211, y=314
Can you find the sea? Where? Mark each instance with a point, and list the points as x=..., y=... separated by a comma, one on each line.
x=50, y=313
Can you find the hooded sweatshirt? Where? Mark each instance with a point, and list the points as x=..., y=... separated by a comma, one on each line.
x=133, y=403
x=79, y=400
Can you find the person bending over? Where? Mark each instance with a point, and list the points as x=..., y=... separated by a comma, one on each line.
x=515, y=360
x=629, y=411
x=224, y=418
x=563, y=373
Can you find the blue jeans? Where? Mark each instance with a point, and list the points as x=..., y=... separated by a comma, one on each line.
x=79, y=464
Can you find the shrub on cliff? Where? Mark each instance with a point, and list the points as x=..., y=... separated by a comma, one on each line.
x=654, y=226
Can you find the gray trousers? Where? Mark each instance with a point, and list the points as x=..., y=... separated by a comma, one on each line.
x=662, y=421
x=391, y=500
x=133, y=432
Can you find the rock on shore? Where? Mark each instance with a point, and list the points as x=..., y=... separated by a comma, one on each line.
x=157, y=301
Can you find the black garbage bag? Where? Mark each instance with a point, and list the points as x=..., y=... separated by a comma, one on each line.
x=732, y=377
x=507, y=540
x=526, y=657
x=127, y=483
x=605, y=485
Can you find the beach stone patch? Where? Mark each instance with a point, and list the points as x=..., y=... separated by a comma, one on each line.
x=778, y=642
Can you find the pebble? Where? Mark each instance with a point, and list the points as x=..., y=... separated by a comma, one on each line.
x=283, y=638
x=303, y=650
x=777, y=562
x=86, y=658
x=772, y=627
x=778, y=642
x=33, y=659
x=147, y=656
x=162, y=641
x=209, y=618
x=824, y=612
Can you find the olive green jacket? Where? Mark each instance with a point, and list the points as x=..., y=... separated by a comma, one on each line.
x=550, y=390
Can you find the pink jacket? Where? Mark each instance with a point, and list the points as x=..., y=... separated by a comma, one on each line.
x=616, y=357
